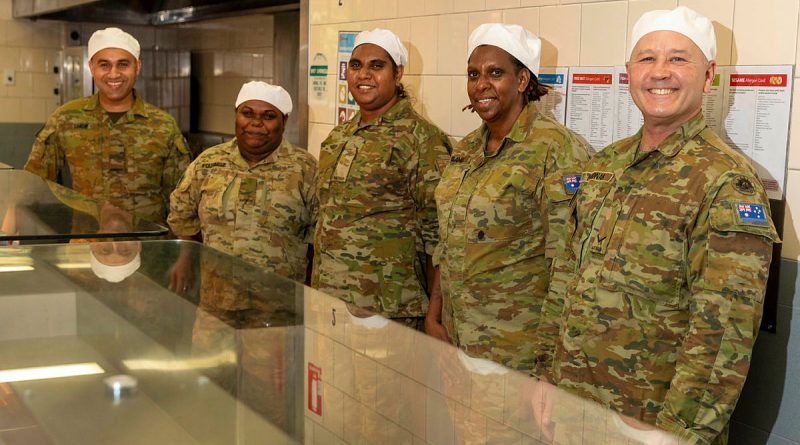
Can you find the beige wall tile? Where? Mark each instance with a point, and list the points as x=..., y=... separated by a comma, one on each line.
x=9, y=58
x=411, y=8
x=401, y=27
x=23, y=85
x=423, y=46
x=528, y=18
x=333, y=408
x=721, y=14
x=463, y=122
x=413, y=85
x=18, y=33
x=503, y=4
x=437, y=90
x=469, y=5
x=539, y=2
x=6, y=11
x=560, y=30
x=791, y=222
x=317, y=134
x=498, y=433
x=439, y=427
x=9, y=109
x=386, y=9
x=438, y=6
x=487, y=395
x=43, y=85
x=318, y=11
x=761, y=34
x=452, y=36
x=603, y=34
x=48, y=34
x=479, y=18
x=364, y=9
x=32, y=110
x=269, y=65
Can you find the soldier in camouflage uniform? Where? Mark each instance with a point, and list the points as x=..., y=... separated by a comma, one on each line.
x=252, y=197
x=502, y=210
x=118, y=148
x=656, y=307
x=377, y=225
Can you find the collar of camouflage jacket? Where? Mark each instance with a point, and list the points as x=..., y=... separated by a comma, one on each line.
x=398, y=111
x=137, y=108
x=237, y=159
x=519, y=131
x=671, y=146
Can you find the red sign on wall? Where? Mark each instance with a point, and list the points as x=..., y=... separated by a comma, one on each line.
x=592, y=79
x=315, y=389
x=758, y=80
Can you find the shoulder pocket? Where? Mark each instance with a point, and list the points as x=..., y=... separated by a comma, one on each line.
x=744, y=217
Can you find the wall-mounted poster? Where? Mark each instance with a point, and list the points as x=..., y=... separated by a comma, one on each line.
x=346, y=107
x=554, y=103
x=590, y=104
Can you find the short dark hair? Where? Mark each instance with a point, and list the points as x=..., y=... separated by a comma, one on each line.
x=535, y=90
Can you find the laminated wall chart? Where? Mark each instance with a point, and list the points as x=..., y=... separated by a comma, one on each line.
x=748, y=106
x=346, y=106
x=554, y=103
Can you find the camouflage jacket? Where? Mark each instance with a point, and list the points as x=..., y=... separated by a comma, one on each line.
x=377, y=215
x=659, y=299
x=263, y=214
x=134, y=163
x=501, y=222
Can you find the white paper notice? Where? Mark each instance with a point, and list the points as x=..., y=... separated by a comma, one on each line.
x=757, y=107
x=714, y=100
x=554, y=103
x=628, y=118
x=590, y=105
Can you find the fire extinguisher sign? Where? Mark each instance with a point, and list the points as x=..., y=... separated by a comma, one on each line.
x=315, y=389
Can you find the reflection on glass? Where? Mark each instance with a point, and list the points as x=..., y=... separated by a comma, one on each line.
x=32, y=208
x=249, y=357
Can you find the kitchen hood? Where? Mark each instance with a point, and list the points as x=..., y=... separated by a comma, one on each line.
x=145, y=12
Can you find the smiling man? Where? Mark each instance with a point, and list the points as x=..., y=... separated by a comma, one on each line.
x=117, y=147
x=660, y=295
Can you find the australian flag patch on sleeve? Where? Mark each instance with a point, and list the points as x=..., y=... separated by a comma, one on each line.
x=751, y=214
x=571, y=183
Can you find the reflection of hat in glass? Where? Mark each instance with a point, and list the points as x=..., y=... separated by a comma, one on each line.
x=114, y=274
x=113, y=38
x=514, y=39
x=386, y=40
x=480, y=366
x=366, y=318
x=681, y=20
x=271, y=94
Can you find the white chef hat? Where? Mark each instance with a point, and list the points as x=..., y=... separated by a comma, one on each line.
x=113, y=38
x=514, y=39
x=273, y=94
x=386, y=40
x=114, y=274
x=682, y=20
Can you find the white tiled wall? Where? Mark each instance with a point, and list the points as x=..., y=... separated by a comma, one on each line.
x=573, y=32
x=227, y=54
x=31, y=50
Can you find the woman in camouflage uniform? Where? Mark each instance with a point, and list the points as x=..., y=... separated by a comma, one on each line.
x=502, y=203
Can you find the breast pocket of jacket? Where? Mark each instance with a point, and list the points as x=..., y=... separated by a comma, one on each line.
x=504, y=208
x=649, y=249
x=218, y=196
